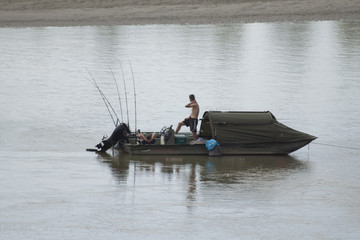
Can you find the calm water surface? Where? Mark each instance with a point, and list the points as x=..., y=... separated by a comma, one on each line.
x=306, y=74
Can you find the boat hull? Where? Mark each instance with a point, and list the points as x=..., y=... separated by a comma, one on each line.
x=200, y=149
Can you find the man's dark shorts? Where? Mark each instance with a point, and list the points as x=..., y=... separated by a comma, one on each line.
x=143, y=142
x=192, y=122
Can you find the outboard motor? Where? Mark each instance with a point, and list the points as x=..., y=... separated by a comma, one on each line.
x=120, y=135
x=166, y=133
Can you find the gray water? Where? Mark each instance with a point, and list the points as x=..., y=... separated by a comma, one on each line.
x=305, y=73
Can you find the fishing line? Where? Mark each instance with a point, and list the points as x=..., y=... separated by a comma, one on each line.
x=331, y=145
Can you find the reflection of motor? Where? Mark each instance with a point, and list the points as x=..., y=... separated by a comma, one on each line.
x=165, y=134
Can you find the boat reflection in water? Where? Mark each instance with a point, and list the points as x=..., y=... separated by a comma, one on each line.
x=224, y=169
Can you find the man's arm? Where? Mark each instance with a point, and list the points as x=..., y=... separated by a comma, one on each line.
x=190, y=105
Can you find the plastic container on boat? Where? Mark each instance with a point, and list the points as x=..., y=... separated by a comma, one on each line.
x=180, y=139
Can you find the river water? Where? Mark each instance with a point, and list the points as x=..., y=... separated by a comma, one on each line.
x=305, y=73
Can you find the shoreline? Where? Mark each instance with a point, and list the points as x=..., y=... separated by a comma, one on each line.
x=176, y=12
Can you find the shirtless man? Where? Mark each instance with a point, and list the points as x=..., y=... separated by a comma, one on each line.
x=192, y=120
x=148, y=139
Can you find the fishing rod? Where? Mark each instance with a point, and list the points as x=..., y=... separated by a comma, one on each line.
x=127, y=106
x=117, y=88
x=132, y=72
x=105, y=104
x=106, y=101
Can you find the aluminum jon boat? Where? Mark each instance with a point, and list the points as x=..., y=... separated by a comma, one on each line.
x=234, y=132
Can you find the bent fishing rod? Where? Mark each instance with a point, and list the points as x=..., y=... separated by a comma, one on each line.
x=106, y=101
x=117, y=88
x=132, y=73
x=127, y=106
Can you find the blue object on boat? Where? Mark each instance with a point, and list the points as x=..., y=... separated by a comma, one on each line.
x=210, y=144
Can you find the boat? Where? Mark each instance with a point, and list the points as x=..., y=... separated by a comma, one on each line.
x=229, y=133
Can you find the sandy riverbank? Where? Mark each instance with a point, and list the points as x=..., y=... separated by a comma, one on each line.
x=129, y=12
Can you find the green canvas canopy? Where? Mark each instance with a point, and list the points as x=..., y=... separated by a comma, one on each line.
x=247, y=128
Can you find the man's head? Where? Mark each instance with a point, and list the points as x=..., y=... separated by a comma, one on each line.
x=192, y=97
